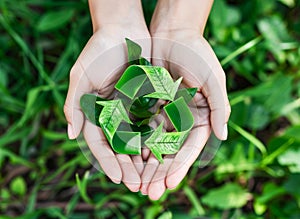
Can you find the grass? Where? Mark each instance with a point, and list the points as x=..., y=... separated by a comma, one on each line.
x=44, y=175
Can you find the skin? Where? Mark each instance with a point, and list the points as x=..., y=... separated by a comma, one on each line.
x=95, y=71
x=176, y=33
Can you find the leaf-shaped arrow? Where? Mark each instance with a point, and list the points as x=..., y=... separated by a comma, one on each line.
x=135, y=76
x=111, y=116
x=165, y=142
x=142, y=84
x=90, y=109
x=134, y=52
x=186, y=93
x=169, y=143
x=162, y=82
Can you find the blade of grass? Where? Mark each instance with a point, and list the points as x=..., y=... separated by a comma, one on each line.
x=15, y=158
x=67, y=165
x=12, y=136
x=241, y=50
x=271, y=157
x=194, y=200
x=259, y=145
x=82, y=186
x=20, y=42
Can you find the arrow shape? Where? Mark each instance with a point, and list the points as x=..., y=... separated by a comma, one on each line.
x=162, y=82
x=135, y=76
x=165, y=142
x=170, y=142
x=111, y=116
x=134, y=52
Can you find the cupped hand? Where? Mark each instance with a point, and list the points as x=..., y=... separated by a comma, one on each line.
x=184, y=52
x=96, y=70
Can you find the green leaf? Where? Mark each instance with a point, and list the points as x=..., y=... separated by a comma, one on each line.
x=291, y=159
x=162, y=82
x=293, y=132
x=143, y=122
x=186, y=93
x=292, y=184
x=110, y=118
x=270, y=191
x=194, y=200
x=141, y=113
x=144, y=103
x=164, y=143
x=18, y=186
x=259, y=117
x=166, y=215
x=144, y=61
x=260, y=146
x=144, y=130
x=82, y=187
x=228, y=196
x=112, y=115
x=134, y=77
x=134, y=52
x=55, y=19
x=289, y=3
x=140, y=107
x=180, y=115
x=169, y=143
x=89, y=107
x=131, y=81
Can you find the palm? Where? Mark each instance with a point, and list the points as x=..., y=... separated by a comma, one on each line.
x=96, y=71
x=188, y=55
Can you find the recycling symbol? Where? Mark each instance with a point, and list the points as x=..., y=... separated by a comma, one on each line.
x=125, y=121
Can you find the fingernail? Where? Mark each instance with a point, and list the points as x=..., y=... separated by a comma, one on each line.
x=116, y=181
x=71, y=134
x=143, y=193
x=225, y=132
x=143, y=190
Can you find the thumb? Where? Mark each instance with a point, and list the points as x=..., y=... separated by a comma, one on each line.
x=79, y=85
x=215, y=91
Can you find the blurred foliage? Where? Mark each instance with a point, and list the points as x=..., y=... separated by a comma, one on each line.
x=256, y=172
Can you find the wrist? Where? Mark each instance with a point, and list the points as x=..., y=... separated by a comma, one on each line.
x=175, y=15
x=105, y=13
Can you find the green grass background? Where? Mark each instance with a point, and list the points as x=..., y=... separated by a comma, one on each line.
x=255, y=173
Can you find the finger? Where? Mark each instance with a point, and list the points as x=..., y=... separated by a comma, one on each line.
x=102, y=151
x=105, y=62
x=200, y=67
x=130, y=176
x=214, y=89
x=187, y=155
x=145, y=153
x=157, y=186
x=138, y=163
x=79, y=85
x=148, y=173
x=215, y=92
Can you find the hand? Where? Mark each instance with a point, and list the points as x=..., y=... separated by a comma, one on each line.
x=96, y=70
x=179, y=46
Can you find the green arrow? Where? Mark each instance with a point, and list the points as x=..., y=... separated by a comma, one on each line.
x=142, y=84
x=170, y=142
x=134, y=52
x=165, y=142
x=135, y=76
x=111, y=116
x=162, y=82
x=89, y=107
